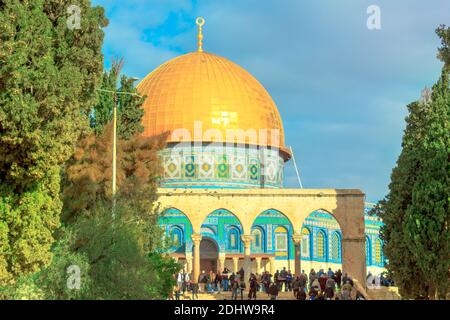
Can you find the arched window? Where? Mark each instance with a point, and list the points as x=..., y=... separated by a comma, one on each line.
x=257, y=243
x=233, y=239
x=176, y=235
x=320, y=244
x=281, y=239
x=378, y=253
x=336, y=246
x=306, y=234
x=368, y=251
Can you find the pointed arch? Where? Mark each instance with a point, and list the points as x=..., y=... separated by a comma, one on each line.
x=177, y=228
x=307, y=244
x=276, y=232
x=336, y=247
x=258, y=241
x=227, y=230
x=321, y=245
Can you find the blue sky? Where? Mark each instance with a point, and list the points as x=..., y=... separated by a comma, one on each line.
x=341, y=88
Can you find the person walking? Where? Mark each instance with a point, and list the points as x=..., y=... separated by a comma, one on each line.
x=330, y=273
x=195, y=289
x=187, y=280
x=234, y=290
x=202, y=282
x=312, y=277
x=296, y=286
x=303, y=275
x=253, y=283
x=177, y=293
x=180, y=280
x=242, y=273
x=289, y=279
x=232, y=278
x=208, y=282
x=218, y=282
x=330, y=284
x=338, y=278
x=273, y=291
x=301, y=294
x=276, y=279
x=347, y=290
x=322, y=282
x=242, y=286
x=346, y=278
x=282, y=278
x=225, y=280
x=259, y=282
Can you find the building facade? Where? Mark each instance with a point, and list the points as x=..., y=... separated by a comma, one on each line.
x=222, y=192
x=272, y=242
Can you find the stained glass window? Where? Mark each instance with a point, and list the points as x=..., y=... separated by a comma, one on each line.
x=257, y=239
x=305, y=242
x=320, y=244
x=176, y=235
x=280, y=239
x=378, y=257
x=233, y=237
x=336, y=246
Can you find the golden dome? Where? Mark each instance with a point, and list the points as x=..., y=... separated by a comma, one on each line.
x=204, y=91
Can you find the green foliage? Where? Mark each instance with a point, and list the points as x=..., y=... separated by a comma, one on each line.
x=164, y=281
x=129, y=111
x=27, y=222
x=122, y=252
x=48, y=76
x=24, y=288
x=428, y=215
x=88, y=175
x=416, y=211
x=117, y=257
x=117, y=248
x=444, y=52
x=53, y=280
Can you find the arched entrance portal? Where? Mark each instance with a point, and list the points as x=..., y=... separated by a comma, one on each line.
x=209, y=253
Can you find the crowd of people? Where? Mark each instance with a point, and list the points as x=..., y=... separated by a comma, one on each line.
x=321, y=285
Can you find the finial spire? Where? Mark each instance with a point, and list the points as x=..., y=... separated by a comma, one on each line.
x=200, y=22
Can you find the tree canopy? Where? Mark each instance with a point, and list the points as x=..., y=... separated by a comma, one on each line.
x=48, y=76
x=416, y=211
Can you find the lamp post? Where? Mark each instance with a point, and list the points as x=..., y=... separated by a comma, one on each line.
x=114, y=160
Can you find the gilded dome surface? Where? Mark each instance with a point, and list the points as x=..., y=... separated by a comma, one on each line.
x=203, y=90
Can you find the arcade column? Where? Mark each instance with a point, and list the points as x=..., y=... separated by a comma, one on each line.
x=258, y=264
x=196, y=239
x=272, y=265
x=247, y=240
x=235, y=264
x=221, y=262
x=188, y=262
x=297, y=238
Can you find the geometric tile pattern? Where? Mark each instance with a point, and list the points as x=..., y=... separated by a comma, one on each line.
x=221, y=166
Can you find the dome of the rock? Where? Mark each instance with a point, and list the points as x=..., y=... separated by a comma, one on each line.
x=225, y=130
x=210, y=91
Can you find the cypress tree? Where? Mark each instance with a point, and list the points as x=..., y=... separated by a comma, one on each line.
x=416, y=210
x=48, y=76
